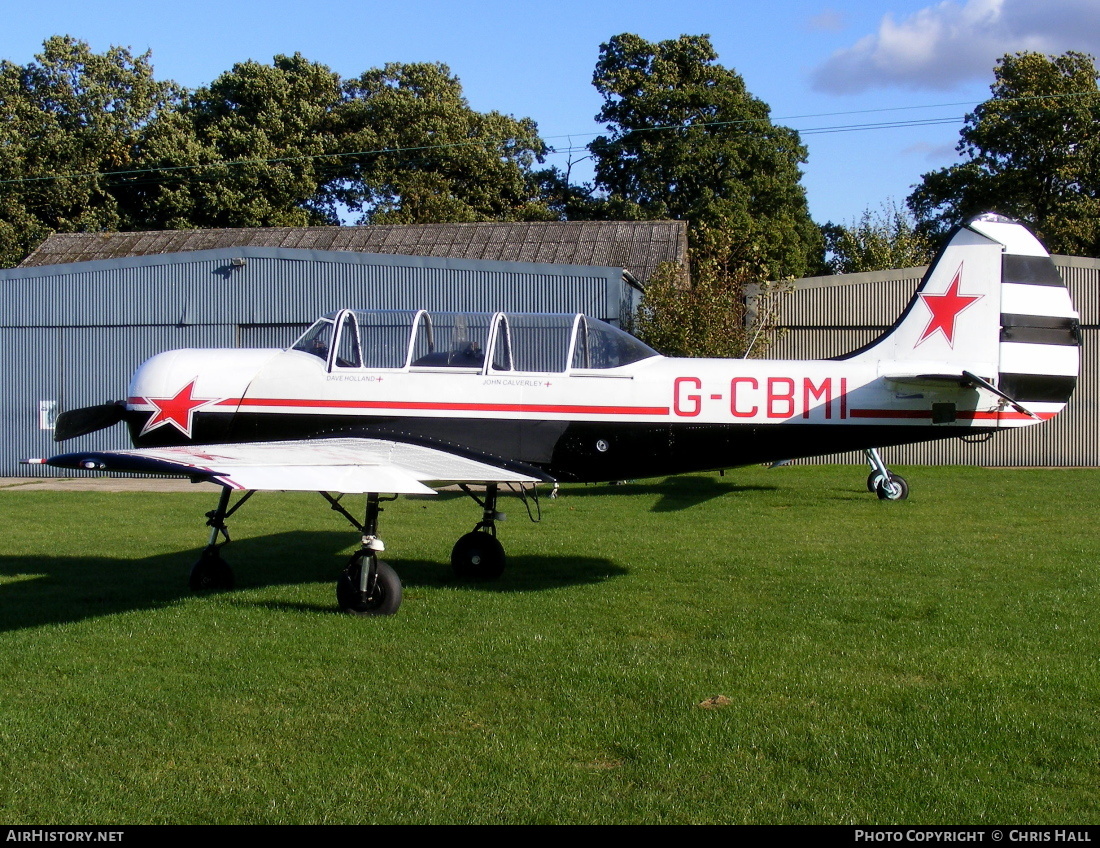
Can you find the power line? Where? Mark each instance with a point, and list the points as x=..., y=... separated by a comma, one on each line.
x=841, y=128
x=275, y=160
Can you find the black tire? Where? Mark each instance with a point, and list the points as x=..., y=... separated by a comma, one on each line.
x=478, y=556
x=873, y=480
x=383, y=600
x=898, y=492
x=211, y=573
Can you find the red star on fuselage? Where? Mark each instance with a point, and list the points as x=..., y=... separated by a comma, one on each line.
x=945, y=308
x=179, y=411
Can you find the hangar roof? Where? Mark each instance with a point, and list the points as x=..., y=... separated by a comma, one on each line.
x=637, y=246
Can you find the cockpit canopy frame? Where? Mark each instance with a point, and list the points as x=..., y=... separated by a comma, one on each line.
x=473, y=342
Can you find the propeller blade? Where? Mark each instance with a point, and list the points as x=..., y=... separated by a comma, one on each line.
x=80, y=422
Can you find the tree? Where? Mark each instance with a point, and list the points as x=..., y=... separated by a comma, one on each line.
x=422, y=155
x=93, y=142
x=291, y=144
x=249, y=150
x=1032, y=153
x=876, y=242
x=566, y=201
x=68, y=121
x=687, y=141
x=710, y=316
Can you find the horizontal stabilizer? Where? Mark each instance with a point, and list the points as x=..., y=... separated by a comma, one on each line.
x=985, y=384
x=959, y=379
x=964, y=379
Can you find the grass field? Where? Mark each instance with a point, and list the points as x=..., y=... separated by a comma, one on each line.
x=771, y=646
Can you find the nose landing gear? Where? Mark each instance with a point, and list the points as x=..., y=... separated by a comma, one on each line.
x=368, y=585
x=211, y=573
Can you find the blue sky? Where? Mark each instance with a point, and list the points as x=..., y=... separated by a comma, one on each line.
x=822, y=66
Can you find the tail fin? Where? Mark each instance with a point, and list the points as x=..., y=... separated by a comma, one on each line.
x=993, y=305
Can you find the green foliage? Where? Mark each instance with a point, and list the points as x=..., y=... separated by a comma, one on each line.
x=1032, y=153
x=566, y=201
x=291, y=144
x=688, y=141
x=876, y=242
x=74, y=113
x=247, y=151
x=446, y=161
x=710, y=316
x=92, y=142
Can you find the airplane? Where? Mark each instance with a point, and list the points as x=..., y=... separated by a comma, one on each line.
x=383, y=403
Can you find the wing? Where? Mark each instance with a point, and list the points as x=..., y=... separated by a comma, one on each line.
x=322, y=465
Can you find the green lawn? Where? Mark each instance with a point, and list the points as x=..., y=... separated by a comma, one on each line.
x=769, y=646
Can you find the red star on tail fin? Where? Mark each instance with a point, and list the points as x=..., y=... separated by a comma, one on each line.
x=945, y=308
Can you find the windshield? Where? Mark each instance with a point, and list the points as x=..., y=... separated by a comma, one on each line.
x=317, y=339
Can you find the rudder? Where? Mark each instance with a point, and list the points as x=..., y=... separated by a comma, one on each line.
x=992, y=304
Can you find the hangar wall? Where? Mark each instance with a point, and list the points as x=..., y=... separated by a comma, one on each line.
x=823, y=317
x=71, y=335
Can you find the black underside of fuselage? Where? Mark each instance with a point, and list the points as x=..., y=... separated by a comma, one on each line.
x=566, y=451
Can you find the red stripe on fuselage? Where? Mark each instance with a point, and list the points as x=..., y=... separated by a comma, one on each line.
x=457, y=407
x=303, y=403
x=961, y=416
x=567, y=409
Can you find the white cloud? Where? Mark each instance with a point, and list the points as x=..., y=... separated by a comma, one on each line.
x=943, y=45
x=829, y=20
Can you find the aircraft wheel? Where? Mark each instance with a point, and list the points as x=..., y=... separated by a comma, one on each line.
x=211, y=573
x=896, y=490
x=873, y=480
x=478, y=556
x=384, y=600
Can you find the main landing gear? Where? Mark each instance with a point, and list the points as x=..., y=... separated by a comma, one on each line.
x=478, y=555
x=368, y=585
x=883, y=482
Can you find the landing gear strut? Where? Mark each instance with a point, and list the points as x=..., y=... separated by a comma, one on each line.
x=478, y=555
x=211, y=573
x=368, y=586
x=884, y=483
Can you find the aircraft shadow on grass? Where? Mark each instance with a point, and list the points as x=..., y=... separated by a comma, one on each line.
x=36, y=590
x=676, y=493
